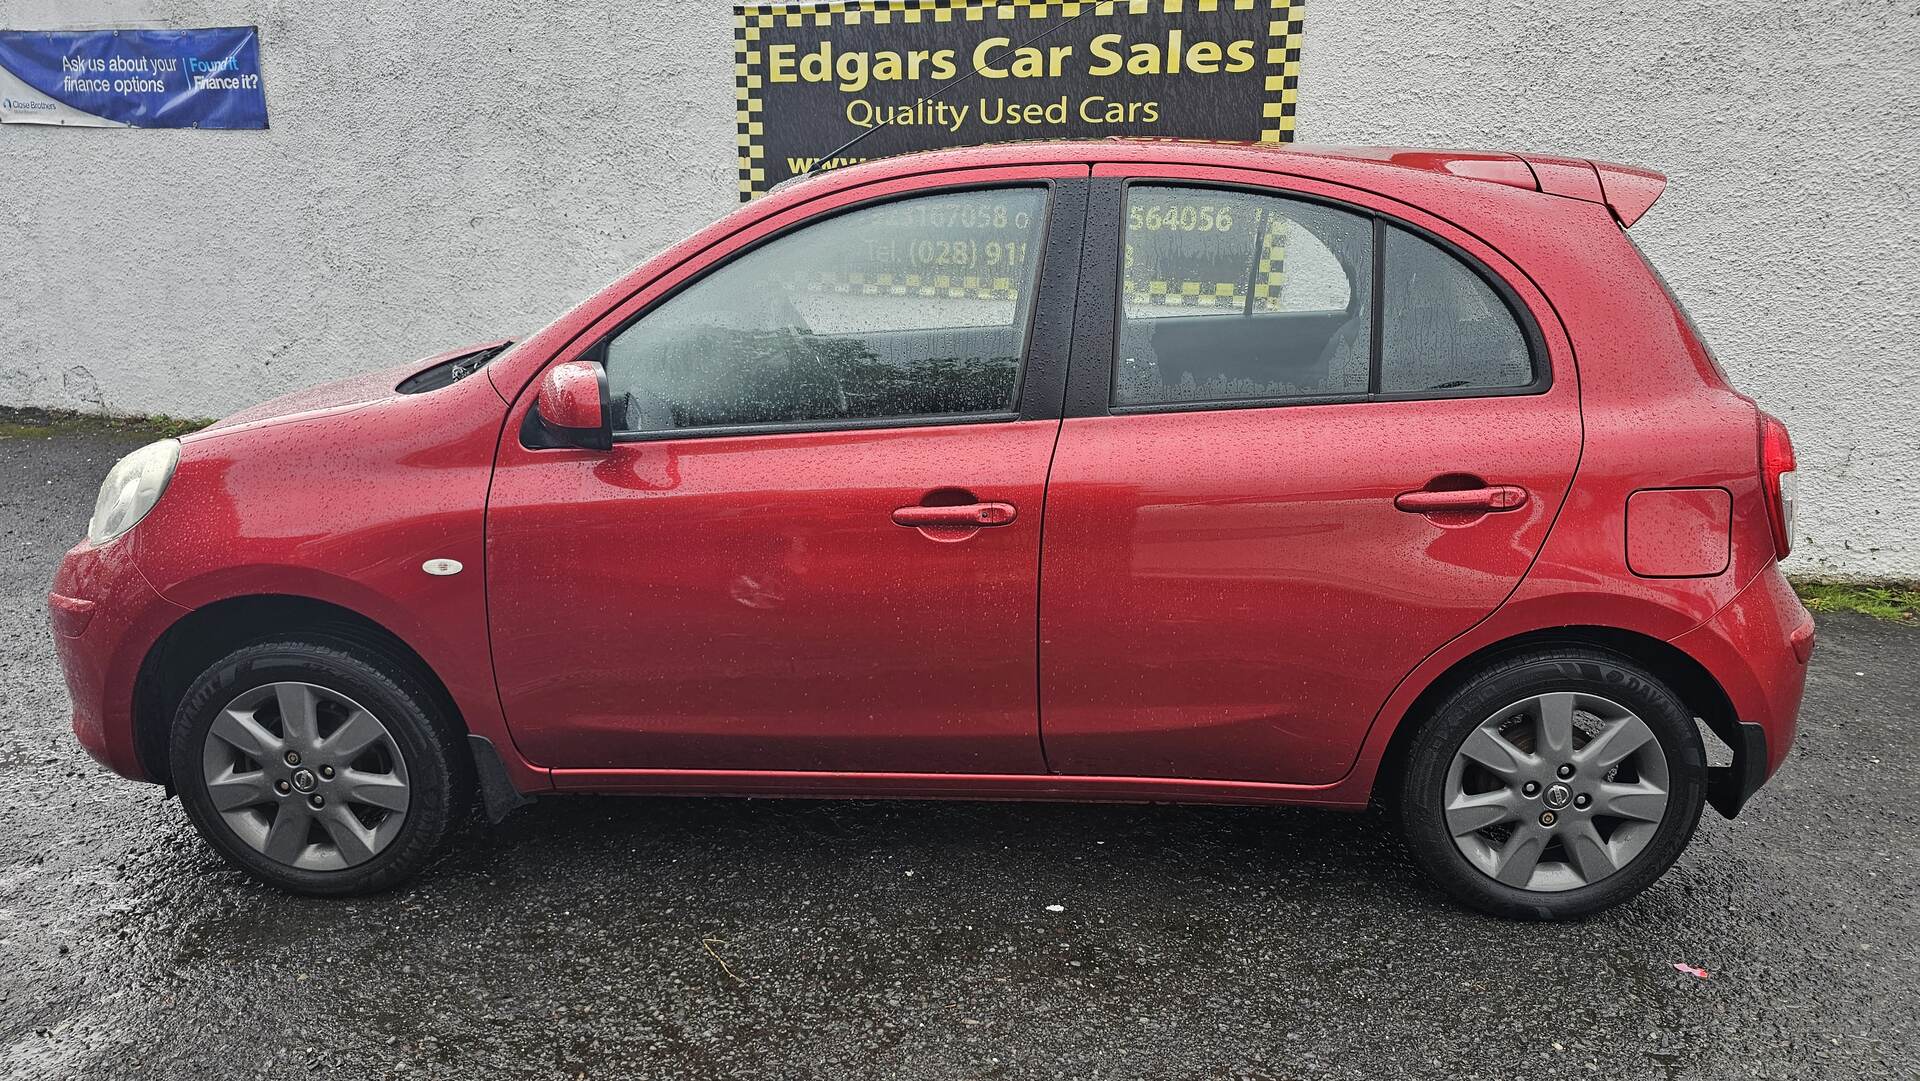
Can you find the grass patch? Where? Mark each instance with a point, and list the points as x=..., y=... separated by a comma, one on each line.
x=1882, y=600
x=26, y=423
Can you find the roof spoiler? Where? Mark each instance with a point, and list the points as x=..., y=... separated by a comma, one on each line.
x=1625, y=190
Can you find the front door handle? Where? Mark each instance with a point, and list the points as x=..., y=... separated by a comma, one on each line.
x=965, y=516
x=1493, y=497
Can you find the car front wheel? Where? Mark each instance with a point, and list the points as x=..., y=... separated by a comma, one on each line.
x=1553, y=784
x=320, y=766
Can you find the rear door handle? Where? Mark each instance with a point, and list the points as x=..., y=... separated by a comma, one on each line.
x=1494, y=497
x=965, y=516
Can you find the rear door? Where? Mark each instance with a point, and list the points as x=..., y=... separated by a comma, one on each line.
x=1307, y=442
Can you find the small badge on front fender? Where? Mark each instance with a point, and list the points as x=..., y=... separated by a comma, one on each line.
x=441, y=566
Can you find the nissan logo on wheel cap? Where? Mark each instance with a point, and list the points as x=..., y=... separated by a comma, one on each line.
x=1558, y=796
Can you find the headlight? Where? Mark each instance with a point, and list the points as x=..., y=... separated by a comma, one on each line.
x=131, y=490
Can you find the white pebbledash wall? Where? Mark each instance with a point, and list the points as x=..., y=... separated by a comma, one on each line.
x=441, y=173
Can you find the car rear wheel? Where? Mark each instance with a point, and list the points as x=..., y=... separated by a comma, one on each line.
x=1553, y=785
x=319, y=766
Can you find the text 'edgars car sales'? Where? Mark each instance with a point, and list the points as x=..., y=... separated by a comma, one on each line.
x=811, y=77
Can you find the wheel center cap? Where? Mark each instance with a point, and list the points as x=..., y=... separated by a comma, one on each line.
x=303, y=780
x=1557, y=796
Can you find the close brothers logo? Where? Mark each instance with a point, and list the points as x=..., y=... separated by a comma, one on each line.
x=9, y=103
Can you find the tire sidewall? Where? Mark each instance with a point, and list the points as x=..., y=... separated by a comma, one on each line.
x=407, y=714
x=1423, y=795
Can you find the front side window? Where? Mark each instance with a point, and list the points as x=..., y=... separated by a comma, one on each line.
x=914, y=308
x=1234, y=296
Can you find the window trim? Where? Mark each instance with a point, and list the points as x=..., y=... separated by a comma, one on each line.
x=1108, y=270
x=1062, y=222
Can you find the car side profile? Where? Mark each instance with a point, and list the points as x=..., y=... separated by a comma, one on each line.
x=1128, y=470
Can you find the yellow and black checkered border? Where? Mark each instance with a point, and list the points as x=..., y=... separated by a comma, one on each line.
x=1284, y=35
x=1269, y=276
x=1271, y=273
x=950, y=286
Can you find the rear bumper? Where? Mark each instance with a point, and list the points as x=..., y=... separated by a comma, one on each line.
x=1757, y=647
x=104, y=618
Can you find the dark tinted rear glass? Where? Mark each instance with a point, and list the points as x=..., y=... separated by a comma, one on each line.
x=1443, y=327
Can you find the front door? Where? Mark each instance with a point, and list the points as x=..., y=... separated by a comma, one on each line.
x=1318, y=443
x=815, y=542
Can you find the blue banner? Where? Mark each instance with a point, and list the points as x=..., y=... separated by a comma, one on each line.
x=133, y=78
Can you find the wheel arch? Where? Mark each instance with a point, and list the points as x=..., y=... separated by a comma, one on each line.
x=212, y=631
x=1699, y=691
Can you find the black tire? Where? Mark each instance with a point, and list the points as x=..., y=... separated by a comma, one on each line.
x=439, y=775
x=1422, y=795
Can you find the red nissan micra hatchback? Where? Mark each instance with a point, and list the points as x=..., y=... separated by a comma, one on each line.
x=1106, y=471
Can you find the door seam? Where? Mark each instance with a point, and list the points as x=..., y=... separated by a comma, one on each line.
x=1046, y=487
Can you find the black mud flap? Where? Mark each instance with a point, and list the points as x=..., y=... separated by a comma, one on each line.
x=497, y=793
x=1729, y=787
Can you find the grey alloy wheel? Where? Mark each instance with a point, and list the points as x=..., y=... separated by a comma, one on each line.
x=1556, y=791
x=306, y=776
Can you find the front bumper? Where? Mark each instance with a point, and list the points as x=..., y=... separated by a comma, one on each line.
x=105, y=616
x=1757, y=648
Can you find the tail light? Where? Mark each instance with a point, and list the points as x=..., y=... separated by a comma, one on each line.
x=1776, y=471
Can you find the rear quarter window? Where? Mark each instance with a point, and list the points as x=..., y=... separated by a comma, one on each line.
x=1443, y=327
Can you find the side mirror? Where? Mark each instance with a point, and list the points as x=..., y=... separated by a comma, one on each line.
x=574, y=408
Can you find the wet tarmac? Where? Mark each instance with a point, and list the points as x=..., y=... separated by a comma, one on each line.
x=771, y=939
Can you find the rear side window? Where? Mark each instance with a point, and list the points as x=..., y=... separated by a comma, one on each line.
x=1231, y=296
x=1443, y=327
x=914, y=308
x=1236, y=297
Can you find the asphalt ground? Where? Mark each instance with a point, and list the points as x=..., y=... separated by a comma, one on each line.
x=768, y=939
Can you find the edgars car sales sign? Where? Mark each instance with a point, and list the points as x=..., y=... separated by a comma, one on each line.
x=906, y=75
